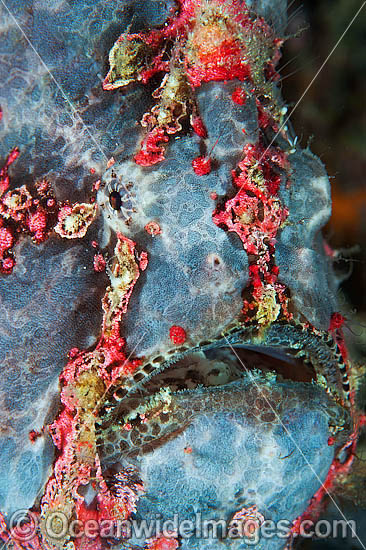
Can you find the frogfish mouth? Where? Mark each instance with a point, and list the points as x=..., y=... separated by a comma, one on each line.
x=163, y=396
x=229, y=210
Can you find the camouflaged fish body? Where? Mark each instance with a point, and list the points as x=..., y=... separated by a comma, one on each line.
x=237, y=262
x=197, y=271
x=219, y=368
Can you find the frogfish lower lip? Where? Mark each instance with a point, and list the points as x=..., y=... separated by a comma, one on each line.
x=230, y=434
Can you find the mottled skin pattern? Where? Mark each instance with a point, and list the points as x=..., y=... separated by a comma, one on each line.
x=26, y=335
x=52, y=301
x=179, y=200
x=196, y=271
x=236, y=259
x=232, y=463
x=205, y=257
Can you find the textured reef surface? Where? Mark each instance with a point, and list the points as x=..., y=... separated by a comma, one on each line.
x=170, y=336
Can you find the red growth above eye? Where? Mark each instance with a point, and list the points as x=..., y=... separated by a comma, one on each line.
x=238, y=96
x=199, y=127
x=177, y=334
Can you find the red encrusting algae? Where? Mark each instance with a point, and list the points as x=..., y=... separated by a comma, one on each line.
x=212, y=42
x=177, y=335
x=201, y=166
x=152, y=149
x=256, y=214
x=85, y=381
x=198, y=126
x=153, y=228
x=36, y=214
x=23, y=213
x=99, y=263
x=238, y=96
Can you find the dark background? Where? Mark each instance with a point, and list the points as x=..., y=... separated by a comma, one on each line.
x=332, y=115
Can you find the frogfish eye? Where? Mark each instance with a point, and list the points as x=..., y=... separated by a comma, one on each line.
x=115, y=200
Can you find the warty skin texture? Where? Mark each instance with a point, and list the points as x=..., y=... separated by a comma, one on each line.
x=198, y=274
x=236, y=458
x=196, y=271
x=183, y=256
x=173, y=195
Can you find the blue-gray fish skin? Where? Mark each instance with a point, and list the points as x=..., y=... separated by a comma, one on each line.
x=232, y=439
